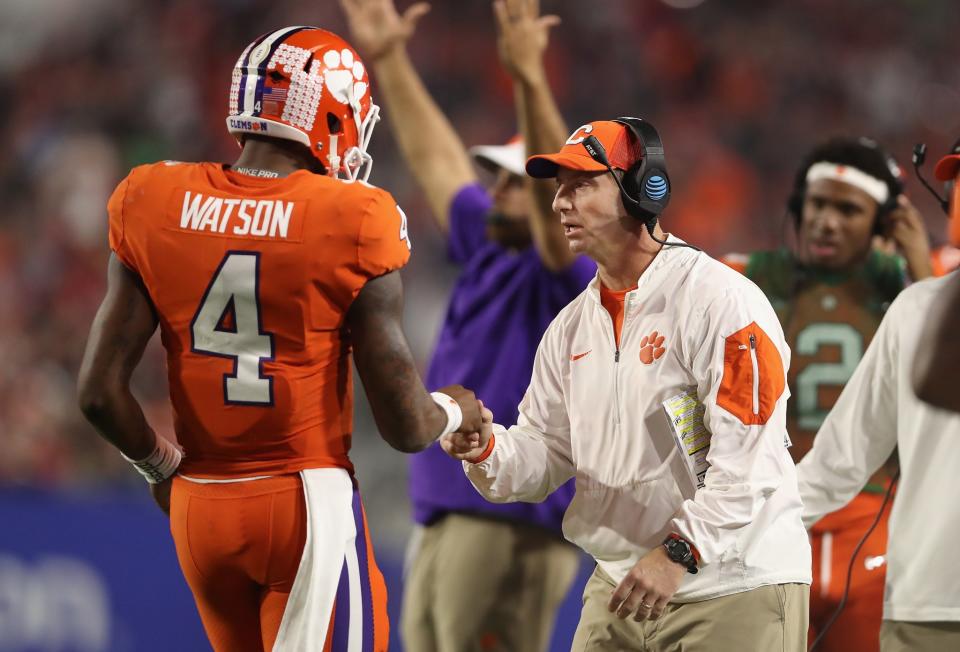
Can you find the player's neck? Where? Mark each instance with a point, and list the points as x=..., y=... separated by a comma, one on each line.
x=851, y=268
x=267, y=159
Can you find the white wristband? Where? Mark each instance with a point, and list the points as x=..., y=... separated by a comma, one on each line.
x=452, y=408
x=160, y=464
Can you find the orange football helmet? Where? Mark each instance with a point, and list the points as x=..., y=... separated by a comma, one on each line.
x=307, y=85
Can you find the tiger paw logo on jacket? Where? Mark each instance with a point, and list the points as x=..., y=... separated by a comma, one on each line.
x=651, y=348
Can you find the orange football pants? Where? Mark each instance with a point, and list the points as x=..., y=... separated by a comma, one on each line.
x=833, y=540
x=239, y=545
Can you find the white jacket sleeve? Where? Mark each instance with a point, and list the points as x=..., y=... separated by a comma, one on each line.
x=532, y=459
x=737, y=353
x=859, y=433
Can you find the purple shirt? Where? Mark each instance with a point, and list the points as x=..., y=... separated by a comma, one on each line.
x=499, y=309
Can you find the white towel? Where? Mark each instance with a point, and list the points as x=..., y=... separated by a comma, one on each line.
x=331, y=535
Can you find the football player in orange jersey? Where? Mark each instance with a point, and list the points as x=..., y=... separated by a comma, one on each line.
x=830, y=296
x=263, y=277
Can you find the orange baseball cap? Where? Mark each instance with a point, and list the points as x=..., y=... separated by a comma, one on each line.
x=622, y=151
x=947, y=167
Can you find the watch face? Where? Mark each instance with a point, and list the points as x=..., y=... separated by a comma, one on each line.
x=679, y=550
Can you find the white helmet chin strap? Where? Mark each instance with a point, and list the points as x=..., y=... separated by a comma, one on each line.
x=333, y=161
x=357, y=163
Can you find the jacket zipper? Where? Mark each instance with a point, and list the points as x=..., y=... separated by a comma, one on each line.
x=756, y=374
x=616, y=358
x=616, y=365
x=616, y=380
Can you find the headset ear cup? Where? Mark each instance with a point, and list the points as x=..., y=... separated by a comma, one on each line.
x=638, y=183
x=883, y=215
x=656, y=188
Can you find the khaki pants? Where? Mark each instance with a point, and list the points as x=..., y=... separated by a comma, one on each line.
x=766, y=619
x=903, y=636
x=482, y=584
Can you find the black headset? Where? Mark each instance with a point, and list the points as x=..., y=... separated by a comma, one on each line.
x=645, y=188
x=795, y=201
x=919, y=156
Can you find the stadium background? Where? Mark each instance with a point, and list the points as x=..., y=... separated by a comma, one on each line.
x=739, y=90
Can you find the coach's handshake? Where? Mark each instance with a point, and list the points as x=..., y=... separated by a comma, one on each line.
x=466, y=445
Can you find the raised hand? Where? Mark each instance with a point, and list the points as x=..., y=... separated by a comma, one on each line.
x=468, y=446
x=376, y=27
x=522, y=37
x=905, y=227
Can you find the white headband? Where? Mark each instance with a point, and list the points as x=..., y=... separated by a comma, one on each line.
x=873, y=186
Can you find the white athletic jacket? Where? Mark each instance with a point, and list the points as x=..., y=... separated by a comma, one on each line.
x=877, y=411
x=597, y=413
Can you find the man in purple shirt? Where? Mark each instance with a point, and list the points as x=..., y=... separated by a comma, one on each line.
x=484, y=576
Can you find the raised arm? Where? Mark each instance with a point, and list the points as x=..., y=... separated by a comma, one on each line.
x=431, y=148
x=406, y=415
x=522, y=39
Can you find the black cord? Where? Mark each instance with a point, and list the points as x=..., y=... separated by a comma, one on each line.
x=652, y=223
x=853, y=559
x=919, y=156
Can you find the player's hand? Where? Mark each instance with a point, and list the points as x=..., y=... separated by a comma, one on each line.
x=469, y=445
x=469, y=405
x=906, y=229
x=648, y=587
x=376, y=28
x=161, y=494
x=522, y=37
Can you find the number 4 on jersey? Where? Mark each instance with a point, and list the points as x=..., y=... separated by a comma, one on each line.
x=233, y=292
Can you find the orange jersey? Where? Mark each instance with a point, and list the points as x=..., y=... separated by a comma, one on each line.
x=945, y=259
x=251, y=279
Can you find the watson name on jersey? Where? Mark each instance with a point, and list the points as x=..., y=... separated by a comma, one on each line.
x=251, y=279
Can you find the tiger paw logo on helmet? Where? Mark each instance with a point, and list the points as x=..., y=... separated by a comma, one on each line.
x=342, y=71
x=307, y=85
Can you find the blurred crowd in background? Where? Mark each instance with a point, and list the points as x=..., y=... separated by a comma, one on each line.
x=739, y=90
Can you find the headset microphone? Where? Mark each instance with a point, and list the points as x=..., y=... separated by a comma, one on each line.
x=649, y=186
x=919, y=156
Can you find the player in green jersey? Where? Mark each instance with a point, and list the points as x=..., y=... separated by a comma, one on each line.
x=830, y=294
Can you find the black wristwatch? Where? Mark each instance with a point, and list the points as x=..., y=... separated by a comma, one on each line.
x=680, y=551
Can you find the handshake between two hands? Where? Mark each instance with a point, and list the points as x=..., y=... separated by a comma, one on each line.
x=471, y=439
x=652, y=582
